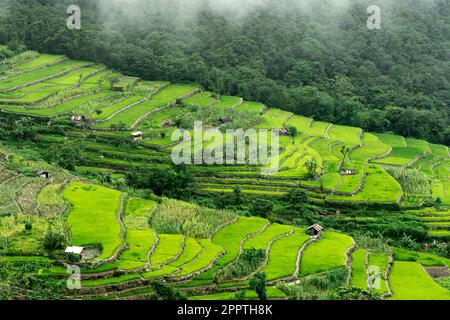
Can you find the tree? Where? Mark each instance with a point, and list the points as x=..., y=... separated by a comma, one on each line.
x=258, y=283
x=295, y=201
x=292, y=131
x=56, y=237
x=66, y=155
x=166, y=292
x=311, y=165
x=24, y=128
x=261, y=207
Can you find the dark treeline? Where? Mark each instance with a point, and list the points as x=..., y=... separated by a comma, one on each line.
x=321, y=63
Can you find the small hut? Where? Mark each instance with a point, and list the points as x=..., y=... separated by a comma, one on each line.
x=314, y=230
x=137, y=135
x=283, y=132
x=77, y=118
x=348, y=172
x=77, y=251
x=43, y=174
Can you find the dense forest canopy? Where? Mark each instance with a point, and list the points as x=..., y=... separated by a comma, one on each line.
x=315, y=58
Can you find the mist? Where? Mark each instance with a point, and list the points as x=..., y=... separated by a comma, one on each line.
x=184, y=11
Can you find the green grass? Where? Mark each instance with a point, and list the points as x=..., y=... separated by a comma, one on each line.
x=168, y=247
x=39, y=74
x=273, y=119
x=318, y=129
x=155, y=120
x=110, y=109
x=321, y=145
x=381, y=261
x=272, y=293
x=379, y=186
x=93, y=216
x=262, y=241
x=393, y=140
x=110, y=281
x=372, y=147
x=227, y=102
x=65, y=107
x=326, y=254
x=299, y=122
x=138, y=207
x=207, y=256
x=348, y=135
x=191, y=249
x=400, y=156
x=139, y=243
x=359, y=272
x=409, y=281
x=39, y=61
x=424, y=258
x=230, y=237
x=49, y=195
x=418, y=144
x=130, y=116
x=248, y=106
x=283, y=255
x=439, y=150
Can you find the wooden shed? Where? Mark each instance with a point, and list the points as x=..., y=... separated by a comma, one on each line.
x=314, y=230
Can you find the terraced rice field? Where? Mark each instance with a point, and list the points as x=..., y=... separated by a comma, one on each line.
x=326, y=254
x=359, y=271
x=98, y=226
x=283, y=255
x=129, y=117
x=409, y=281
x=40, y=74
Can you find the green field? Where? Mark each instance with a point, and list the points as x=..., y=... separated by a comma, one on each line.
x=93, y=217
x=283, y=255
x=326, y=254
x=409, y=281
x=129, y=117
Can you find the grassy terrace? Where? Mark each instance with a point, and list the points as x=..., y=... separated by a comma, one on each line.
x=169, y=246
x=63, y=108
x=283, y=255
x=263, y=240
x=348, y=135
x=359, y=272
x=409, y=281
x=39, y=61
x=129, y=117
x=229, y=238
x=93, y=218
x=372, y=147
x=380, y=261
x=227, y=102
x=40, y=74
x=112, y=108
x=205, y=258
x=326, y=254
x=393, y=140
x=273, y=119
x=299, y=122
x=379, y=186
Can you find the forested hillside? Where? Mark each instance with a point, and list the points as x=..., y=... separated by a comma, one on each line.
x=314, y=58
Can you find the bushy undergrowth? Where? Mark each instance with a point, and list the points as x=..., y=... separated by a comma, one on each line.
x=248, y=262
x=412, y=181
x=173, y=216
